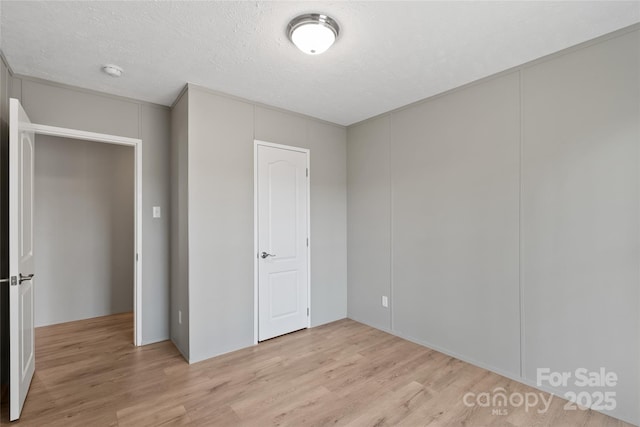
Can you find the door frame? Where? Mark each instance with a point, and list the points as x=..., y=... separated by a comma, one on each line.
x=307, y=152
x=136, y=143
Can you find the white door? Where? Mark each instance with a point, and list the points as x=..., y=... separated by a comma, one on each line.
x=282, y=221
x=21, y=259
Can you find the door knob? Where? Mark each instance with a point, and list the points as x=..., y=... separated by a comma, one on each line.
x=265, y=255
x=25, y=278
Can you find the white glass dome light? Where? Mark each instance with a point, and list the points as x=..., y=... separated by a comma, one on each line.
x=313, y=33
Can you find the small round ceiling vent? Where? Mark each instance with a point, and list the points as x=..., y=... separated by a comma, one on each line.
x=113, y=70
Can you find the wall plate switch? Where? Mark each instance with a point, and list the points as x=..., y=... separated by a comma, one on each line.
x=385, y=301
x=156, y=211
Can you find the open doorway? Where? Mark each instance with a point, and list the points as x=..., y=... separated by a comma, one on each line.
x=22, y=256
x=100, y=143
x=84, y=229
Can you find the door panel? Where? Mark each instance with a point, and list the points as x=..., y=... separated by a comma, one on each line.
x=282, y=209
x=21, y=258
x=283, y=294
x=26, y=195
x=26, y=331
x=282, y=193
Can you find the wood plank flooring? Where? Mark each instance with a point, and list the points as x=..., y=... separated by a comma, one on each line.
x=89, y=374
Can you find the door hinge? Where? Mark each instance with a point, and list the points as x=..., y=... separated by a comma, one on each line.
x=307, y=172
x=137, y=257
x=307, y=311
x=307, y=242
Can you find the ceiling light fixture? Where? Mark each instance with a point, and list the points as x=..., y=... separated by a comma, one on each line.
x=112, y=70
x=313, y=33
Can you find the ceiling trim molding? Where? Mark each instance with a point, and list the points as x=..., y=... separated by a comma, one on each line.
x=190, y=86
x=90, y=91
x=6, y=63
x=184, y=90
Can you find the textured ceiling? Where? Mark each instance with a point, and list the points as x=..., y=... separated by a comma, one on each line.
x=389, y=54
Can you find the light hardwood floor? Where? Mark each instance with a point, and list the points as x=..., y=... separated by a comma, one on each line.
x=89, y=374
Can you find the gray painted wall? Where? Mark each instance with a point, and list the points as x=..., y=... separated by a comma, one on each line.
x=220, y=224
x=221, y=131
x=155, y=132
x=179, y=225
x=59, y=105
x=581, y=217
x=84, y=229
x=454, y=174
x=514, y=198
x=369, y=222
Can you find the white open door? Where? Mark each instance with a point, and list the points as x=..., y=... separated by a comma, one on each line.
x=21, y=258
x=282, y=240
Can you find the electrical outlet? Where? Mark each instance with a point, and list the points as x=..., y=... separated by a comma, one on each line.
x=179, y=317
x=385, y=301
